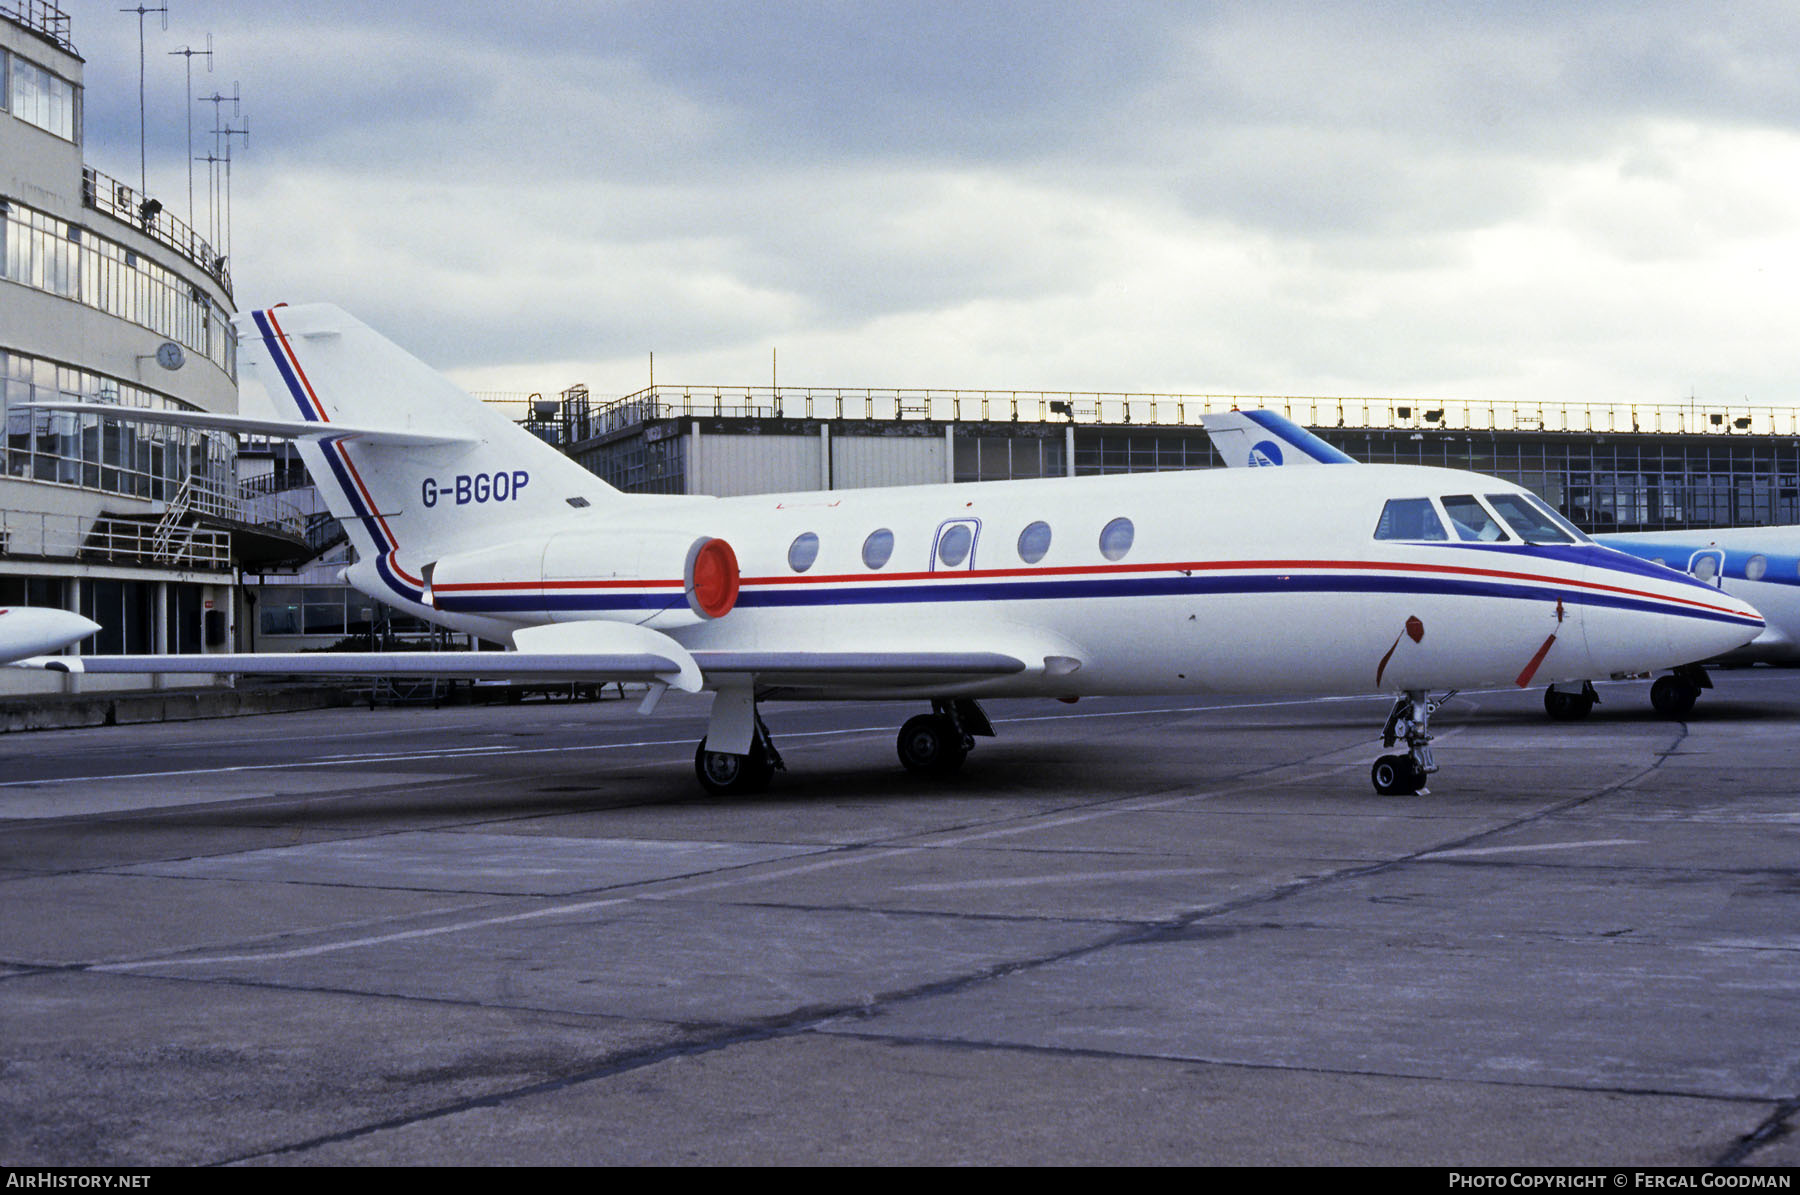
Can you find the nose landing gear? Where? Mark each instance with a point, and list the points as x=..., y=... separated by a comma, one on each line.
x=1410, y=719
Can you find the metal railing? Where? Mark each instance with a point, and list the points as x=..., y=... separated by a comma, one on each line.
x=40, y=16
x=582, y=421
x=116, y=541
x=119, y=200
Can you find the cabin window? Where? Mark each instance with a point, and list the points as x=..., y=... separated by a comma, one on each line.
x=1527, y=521
x=1034, y=542
x=954, y=544
x=1704, y=566
x=1756, y=567
x=803, y=551
x=878, y=548
x=1410, y=518
x=1472, y=520
x=1555, y=516
x=1115, y=539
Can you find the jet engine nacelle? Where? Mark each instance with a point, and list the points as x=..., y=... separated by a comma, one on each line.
x=650, y=578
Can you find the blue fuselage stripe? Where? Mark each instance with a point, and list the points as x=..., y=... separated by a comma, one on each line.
x=1051, y=590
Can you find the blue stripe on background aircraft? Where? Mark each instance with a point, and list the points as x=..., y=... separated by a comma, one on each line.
x=1760, y=565
x=1283, y=581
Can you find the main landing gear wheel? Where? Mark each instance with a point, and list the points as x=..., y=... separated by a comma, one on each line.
x=1570, y=707
x=1396, y=776
x=1673, y=697
x=725, y=775
x=933, y=745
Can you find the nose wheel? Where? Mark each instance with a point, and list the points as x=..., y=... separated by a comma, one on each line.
x=1410, y=722
x=1396, y=776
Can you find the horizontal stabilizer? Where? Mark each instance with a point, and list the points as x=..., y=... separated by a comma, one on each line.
x=280, y=429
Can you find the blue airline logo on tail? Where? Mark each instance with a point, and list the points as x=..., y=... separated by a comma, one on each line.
x=1266, y=452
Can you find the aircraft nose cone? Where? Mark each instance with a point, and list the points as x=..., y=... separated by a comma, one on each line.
x=29, y=631
x=1645, y=617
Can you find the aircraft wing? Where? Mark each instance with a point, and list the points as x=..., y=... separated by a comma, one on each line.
x=520, y=665
x=567, y=665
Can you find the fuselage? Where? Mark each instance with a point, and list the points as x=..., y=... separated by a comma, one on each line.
x=1204, y=581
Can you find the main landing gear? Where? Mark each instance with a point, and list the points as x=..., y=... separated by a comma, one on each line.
x=1410, y=719
x=1565, y=706
x=936, y=744
x=1674, y=695
x=726, y=775
x=933, y=744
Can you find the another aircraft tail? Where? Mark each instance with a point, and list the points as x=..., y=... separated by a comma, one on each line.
x=423, y=469
x=1252, y=438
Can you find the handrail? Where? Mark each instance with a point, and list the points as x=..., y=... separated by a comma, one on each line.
x=121, y=541
x=582, y=421
x=119, y=200
x=41, y=17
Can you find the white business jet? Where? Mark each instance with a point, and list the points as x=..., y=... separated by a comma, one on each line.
x=27, y=631
x=1760, y=565
x=1273, y=581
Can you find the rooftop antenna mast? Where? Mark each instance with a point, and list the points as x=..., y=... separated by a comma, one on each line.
x=229, y=133
x=212, y=160
x=189, y=53
x=143, y=11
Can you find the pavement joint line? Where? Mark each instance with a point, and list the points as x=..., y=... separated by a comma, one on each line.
x=973, y=1045
x=1773, y=1128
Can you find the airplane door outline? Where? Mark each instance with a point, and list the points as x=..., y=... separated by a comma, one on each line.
x=948, y=529
x=1717, y=557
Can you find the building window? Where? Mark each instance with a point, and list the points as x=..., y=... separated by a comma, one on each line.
x=111, y=454
x=42, y=252
x=39, y=98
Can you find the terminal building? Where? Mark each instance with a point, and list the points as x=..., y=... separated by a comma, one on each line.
x=106, y=297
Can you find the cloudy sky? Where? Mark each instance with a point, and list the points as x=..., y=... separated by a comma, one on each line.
x=1512, y=201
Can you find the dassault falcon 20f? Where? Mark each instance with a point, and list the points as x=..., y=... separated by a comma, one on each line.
x=1320, y=581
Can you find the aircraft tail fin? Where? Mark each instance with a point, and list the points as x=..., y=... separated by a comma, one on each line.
x=1253, y=438
x=445, y=473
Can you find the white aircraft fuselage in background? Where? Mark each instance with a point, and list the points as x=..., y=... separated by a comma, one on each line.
x=1212, y=581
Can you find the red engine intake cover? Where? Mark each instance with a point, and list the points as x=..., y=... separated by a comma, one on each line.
x=712, y=579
